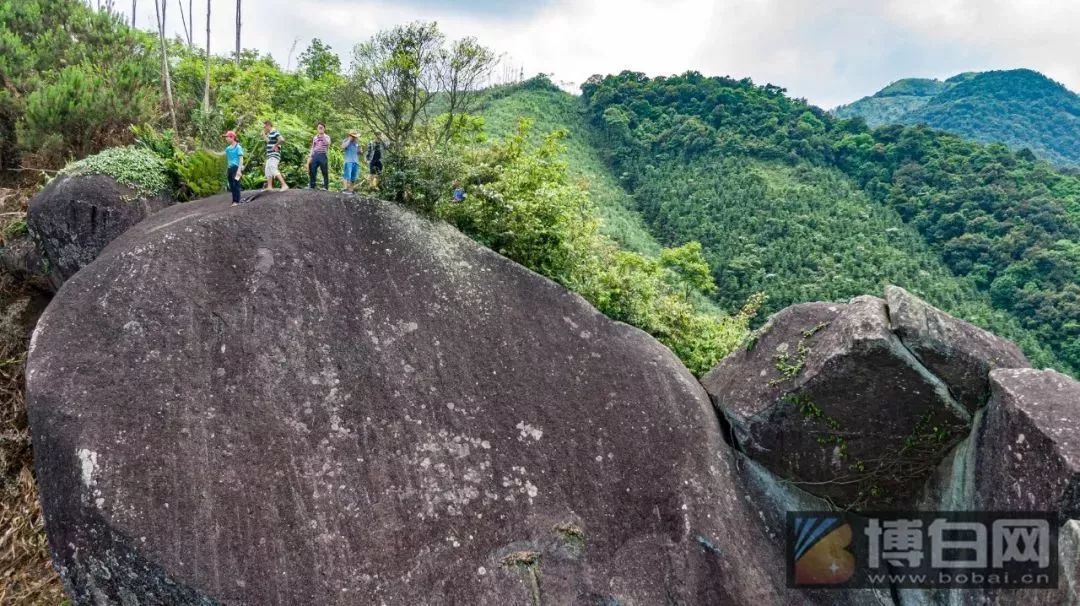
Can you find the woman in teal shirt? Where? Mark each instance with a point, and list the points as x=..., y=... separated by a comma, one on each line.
x=235, y=155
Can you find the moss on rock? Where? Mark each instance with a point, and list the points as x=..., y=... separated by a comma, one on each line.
x=136, y=167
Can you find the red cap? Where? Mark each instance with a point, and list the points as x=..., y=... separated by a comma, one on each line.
x=230, y=135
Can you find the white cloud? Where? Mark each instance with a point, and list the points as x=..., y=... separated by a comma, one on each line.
x=829, y=51
x=1038, y=34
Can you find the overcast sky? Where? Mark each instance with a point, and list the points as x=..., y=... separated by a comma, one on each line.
x=828, y=51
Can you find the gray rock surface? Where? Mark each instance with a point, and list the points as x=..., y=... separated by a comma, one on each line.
x=74, y=218
x=1024, y=455
x=315, y=399
x=1028, y=446
x=958, y=352
x=829, y=398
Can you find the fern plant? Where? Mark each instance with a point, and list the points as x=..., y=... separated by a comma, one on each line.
x=202, y=173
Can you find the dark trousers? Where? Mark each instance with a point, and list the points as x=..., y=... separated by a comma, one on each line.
x=318, y=161
x=234, y=184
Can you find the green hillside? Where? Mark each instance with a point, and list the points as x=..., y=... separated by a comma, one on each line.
x=892, y=103
x=1020, y=108
x=788, y=199
x=552, y=109
x=799, y=233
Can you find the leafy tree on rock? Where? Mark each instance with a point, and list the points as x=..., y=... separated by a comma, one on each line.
x=319, y=60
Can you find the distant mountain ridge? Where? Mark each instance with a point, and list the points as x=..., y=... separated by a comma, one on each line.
x=1020, y=108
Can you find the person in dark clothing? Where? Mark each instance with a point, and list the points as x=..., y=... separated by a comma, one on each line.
x=234, y=153
x=373, y=155
x=317, y=159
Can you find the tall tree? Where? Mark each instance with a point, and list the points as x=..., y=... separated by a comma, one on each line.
x=238, y=32
x=395, y=76
x=159, y=13
x=466, y=66
x=319, y=60
x=206, y=87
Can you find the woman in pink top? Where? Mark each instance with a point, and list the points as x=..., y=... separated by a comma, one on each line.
x=317, y=158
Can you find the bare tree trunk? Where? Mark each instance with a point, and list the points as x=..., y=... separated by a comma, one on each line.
x=206, y=89
x=191, y=22
x=238, y=33
x=160, y=15
x=184, y=22
x=134, y=3
x=292, y=49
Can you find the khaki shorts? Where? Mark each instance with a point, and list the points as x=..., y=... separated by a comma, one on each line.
x=271, y=169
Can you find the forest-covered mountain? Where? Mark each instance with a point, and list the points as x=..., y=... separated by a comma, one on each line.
x=1020, y=108
x=789, y=200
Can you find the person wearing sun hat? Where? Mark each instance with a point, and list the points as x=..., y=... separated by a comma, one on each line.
x=235, y=155
x=351, y=146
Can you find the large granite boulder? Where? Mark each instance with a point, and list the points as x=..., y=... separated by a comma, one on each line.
x=958, y=352
x=828, y=397
x=316, y=399
x=75, y=217
x=1027, y=450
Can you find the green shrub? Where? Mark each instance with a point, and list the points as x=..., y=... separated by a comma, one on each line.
x=73, y=78
x=522, y=202
x=15, y=229
x=208, y=126
x=202, y=173
x=162, y=143
x=85, y=109
x=136, y=167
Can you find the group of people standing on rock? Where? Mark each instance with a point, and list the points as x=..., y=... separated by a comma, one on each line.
x=317, y=160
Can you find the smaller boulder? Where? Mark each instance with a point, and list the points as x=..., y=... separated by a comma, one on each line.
x=828, y=398
x=755, y=374
x=20, y=258
x=1028, y=447
x=75, y=217
x=958, y=352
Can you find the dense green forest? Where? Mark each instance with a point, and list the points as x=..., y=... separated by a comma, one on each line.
x=1020, y=108
x=840, y=207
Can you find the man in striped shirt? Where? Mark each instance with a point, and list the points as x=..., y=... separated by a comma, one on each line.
x=273, y=156
x=317, y=158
